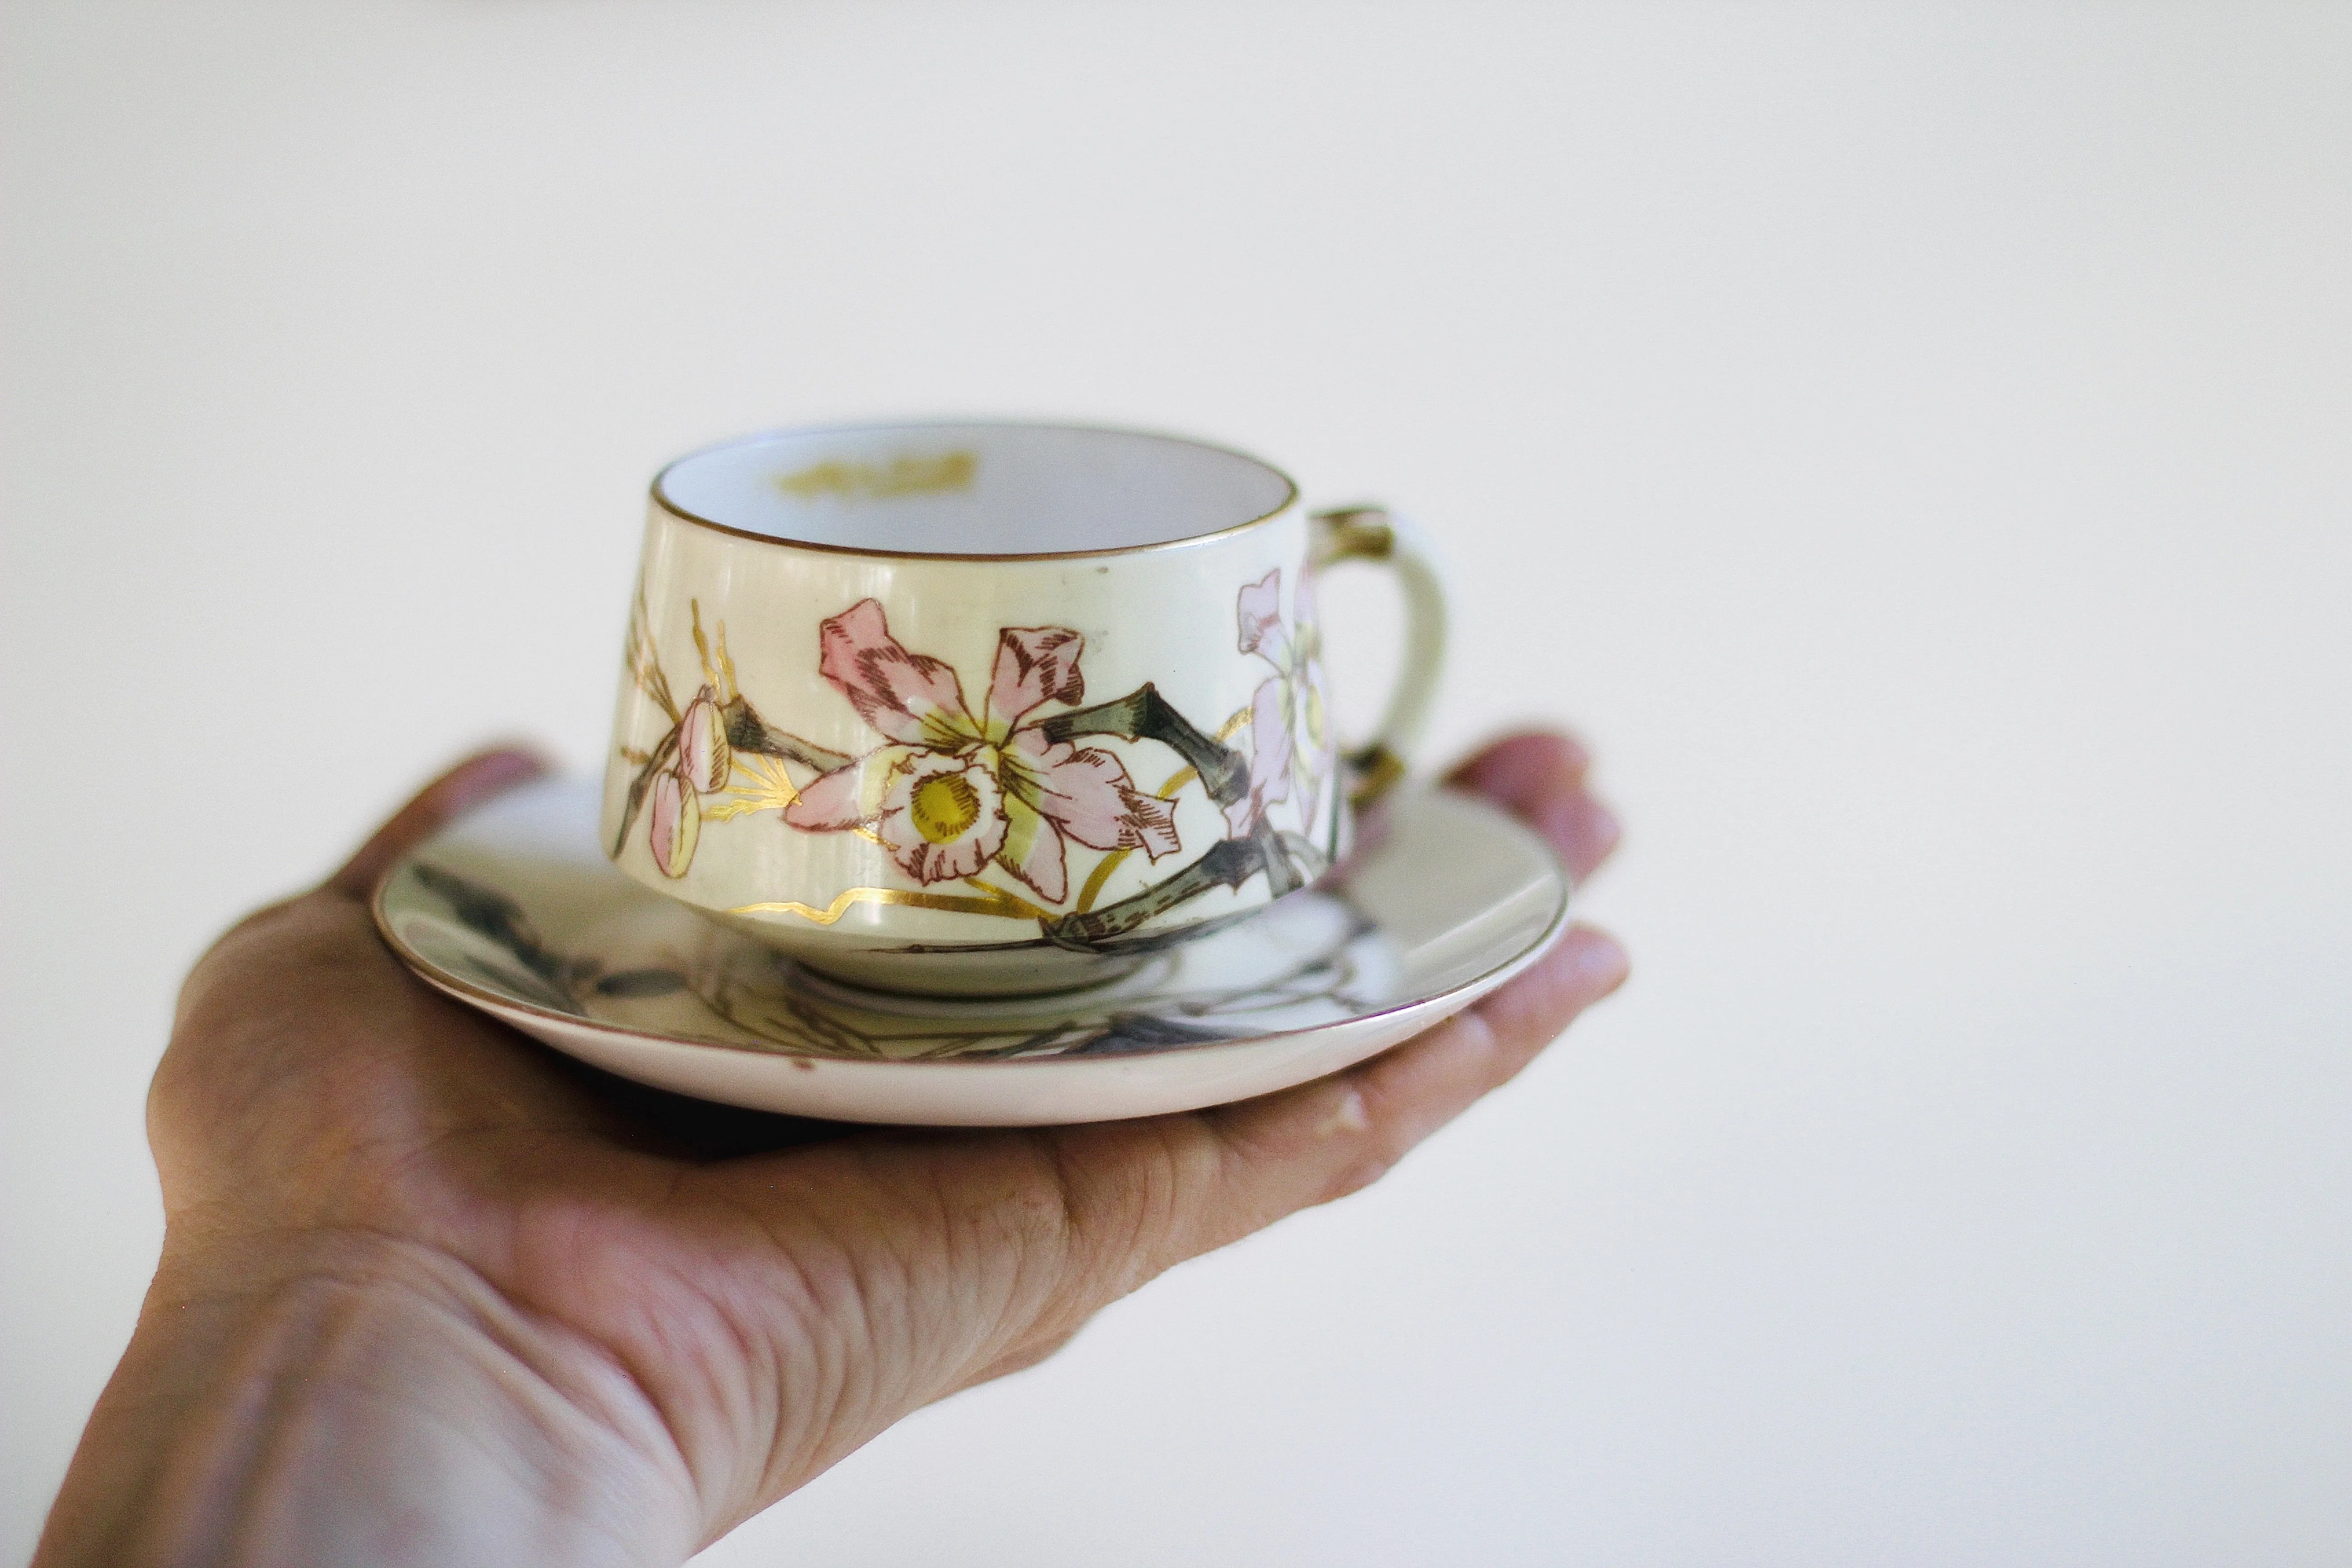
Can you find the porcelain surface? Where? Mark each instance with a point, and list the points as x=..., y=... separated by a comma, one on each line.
x=979, y=708
x=515, y=909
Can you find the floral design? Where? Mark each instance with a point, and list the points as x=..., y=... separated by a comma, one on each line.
x=953, y=791
x=652, y=973
x=717, y=731
x=694, y=757
x=673, y=808
x=1289, y=734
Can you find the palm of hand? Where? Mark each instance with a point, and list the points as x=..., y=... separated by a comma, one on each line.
x=698, y=1310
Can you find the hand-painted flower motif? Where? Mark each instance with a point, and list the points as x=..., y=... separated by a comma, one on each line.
x=953, y=792
x=1290, y=737
x=701, y=763
x=696, y=756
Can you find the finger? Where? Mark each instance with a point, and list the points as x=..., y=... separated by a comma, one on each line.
x=463, y=787
x=1049, y=1225
x=1539, y=778
x=1326, y=1139
x=1527, y=754
x=1142, y=1197
x=1023, y=1355
x=1410, y=1093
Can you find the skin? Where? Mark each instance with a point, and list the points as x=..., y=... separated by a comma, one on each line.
x=432, y=1293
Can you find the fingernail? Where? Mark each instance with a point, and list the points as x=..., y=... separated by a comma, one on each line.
x=1600, y=961
x=1347, y=1116
x=1580, y=827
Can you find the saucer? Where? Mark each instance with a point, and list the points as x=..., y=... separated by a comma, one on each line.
x=513, y=909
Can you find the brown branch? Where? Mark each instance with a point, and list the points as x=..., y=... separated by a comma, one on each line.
x=1144, y=715
x=747, y=731
x=638, y=786
x=1229, y=863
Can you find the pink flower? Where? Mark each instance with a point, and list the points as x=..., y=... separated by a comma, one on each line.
x=702, y=759
x=1288, y=736
x=1259, y=610
x=674, y=823
x=951, y=792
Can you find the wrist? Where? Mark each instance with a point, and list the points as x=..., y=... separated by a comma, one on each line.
x=349, y=1398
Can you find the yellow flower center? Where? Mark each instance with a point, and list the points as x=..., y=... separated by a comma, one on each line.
x=944, y=807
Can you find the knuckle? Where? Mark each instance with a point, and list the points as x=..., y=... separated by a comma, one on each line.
x=1373, y=1161
x=1128, y=1218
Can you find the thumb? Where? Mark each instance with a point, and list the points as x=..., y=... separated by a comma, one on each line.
x=477, y=779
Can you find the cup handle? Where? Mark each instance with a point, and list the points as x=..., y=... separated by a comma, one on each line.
x=1376, y=533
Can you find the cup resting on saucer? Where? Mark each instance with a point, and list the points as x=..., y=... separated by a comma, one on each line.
x=992, y=709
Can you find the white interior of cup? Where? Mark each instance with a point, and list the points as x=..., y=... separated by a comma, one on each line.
x=972, y=490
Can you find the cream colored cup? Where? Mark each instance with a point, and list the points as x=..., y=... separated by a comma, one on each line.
x=991, y=709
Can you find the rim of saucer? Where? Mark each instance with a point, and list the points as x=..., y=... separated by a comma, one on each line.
x=441, y=979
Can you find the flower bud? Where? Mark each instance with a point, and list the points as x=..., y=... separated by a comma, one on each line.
x=703, y=758
x=675, y=822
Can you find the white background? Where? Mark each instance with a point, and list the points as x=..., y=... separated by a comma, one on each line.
x=1914, y=442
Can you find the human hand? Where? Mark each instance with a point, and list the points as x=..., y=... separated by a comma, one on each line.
x=431, y=1292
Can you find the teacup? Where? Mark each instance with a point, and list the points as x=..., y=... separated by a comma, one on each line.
x=992, y=709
